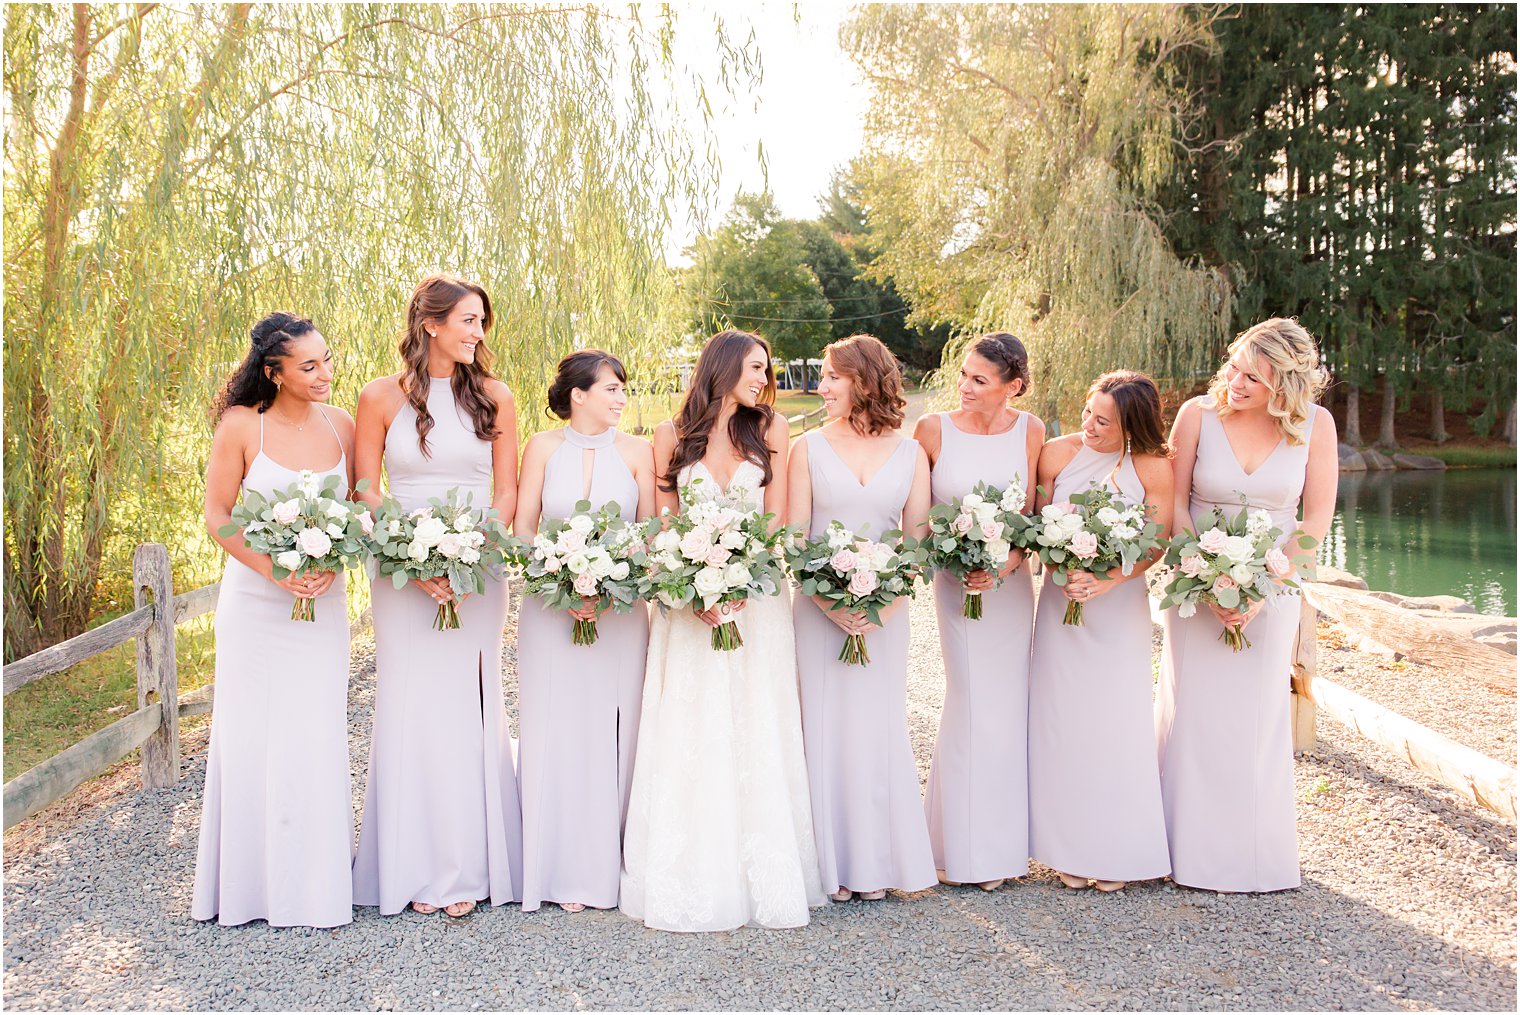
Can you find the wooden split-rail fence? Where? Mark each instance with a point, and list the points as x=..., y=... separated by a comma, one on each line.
x=155, y=725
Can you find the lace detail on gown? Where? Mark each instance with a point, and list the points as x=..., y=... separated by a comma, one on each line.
x=719, y=831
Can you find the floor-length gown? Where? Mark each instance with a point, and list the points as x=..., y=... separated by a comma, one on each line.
x=868, y=816
x=441, y=817
x=977, y=798
x=578, y=707
x=277, y=820
x=1094, y=789
x=1222, y=717
x=719, y=831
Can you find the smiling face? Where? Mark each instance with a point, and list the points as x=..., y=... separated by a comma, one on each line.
x=982, y=388
x=600, y=406
x=1100, y=423
x=306, y=371
x=754, y=378
x=1248, y=381
x=454, y=339
x=836, y=390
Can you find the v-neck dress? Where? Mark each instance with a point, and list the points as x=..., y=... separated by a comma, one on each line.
x=868, y=816
x=1222, y=717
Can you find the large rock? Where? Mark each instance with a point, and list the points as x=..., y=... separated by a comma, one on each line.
x=1351, y=459
x=1377, y=461
x=1328, y=575
x=1440, y=604
x=1418, y=462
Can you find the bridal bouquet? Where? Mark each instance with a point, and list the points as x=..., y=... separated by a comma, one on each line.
x=1229, y=562
x=976, y=533
x=590, y=555
x=1096, y=532
x=447, y=539
x=857, y=574
x=712, y=553
x=305, y=528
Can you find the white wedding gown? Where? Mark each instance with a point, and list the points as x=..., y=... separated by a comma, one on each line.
x=719, y=832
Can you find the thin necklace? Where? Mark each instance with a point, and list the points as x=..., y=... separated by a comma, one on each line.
x=288, y=422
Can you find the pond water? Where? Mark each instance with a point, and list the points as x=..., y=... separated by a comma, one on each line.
x=1429, y=533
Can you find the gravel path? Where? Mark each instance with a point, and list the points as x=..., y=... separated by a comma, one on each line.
x=1408, y=903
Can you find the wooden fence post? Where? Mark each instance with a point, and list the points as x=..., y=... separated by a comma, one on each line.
x=1305, y=663
x=157, y=669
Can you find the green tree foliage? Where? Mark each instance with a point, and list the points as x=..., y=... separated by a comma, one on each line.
x=174, y=171
x=1013, y=155
x=1354, y=166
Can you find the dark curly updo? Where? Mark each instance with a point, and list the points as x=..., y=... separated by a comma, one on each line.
x=577, y=372
x=1007, y=353
x=269, y=343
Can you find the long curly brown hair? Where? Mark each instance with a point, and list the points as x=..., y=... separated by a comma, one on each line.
x=433, y=300
x=719, y=367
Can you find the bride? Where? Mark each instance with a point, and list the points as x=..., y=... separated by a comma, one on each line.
x=719, y=832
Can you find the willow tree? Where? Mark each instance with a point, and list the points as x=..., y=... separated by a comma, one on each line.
x=1013, y=155
x=174, y=171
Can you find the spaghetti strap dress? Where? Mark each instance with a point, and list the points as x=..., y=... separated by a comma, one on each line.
x=442, y=823
x=277, y=819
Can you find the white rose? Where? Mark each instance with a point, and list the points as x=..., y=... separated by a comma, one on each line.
x=335, y=530
x=313, y=542
x=449, y=545
x=429, y=531
x=543, y=544
x=289, y=560
x=601, y=563
x=473, y=538
x=571, y=540
x=287, y=511
x=1108, y=516
x=695, y=545
x=551, y=564
x=1122, y=531
x=418, y=551
x=1242, y=574
x=881, y=556
x=578, y=562
x=1238, y=549
x=972, y=501
x=709, y=582
x=334, y=509
x=732, y=539
x=999, y=549
x=469, y=555
x=582, y=524
x=465, y=522
x=736, y=575
x=366, y=522
x=619, y=570
x=667, y=540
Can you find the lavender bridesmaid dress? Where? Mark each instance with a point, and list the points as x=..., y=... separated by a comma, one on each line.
x=977, y=800
x=868, y=818
x=578, y=707
x=441, y=817
x=277, y=818
x=1222, y=717
x=1094, y=789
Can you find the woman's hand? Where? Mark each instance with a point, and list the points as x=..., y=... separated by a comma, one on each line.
x=1013, y=563
x=437, y=588
x=1082, y=586
x=720, y=614
x=586, y=610
x=306, y=586
x=979, y=581
x=1237, y=618
x=848, y=621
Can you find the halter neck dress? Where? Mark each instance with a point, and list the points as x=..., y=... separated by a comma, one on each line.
x=1094, y=789
x=868, y=816
x=1222, y=717
x=578, y=705
x=977, y=800
x=277, y=826
x=441, y=822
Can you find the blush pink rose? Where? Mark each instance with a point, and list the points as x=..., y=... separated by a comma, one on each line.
x=1084, y=544
x=1278, y=563
x=287, y=511
x=843, y=561
x=961, y=524
x=1225, y=583
x=716, y=557
x=992, y=529
x=863, y=583
x=1194, y=566
x=1213, y=541
x=585, y=584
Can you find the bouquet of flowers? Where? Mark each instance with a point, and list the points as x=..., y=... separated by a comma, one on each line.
x=1229, y=562
x=857, y=574
x=712, y=553
x=976, y=533
x=447, y=539
x=1096, y=532
x=590, y=555
x=305, y=528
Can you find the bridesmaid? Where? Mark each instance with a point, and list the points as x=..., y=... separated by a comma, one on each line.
x=1222, y=717
x=977, y=799
x=578, y=705
x=277, y=820
x=441, y=828
x=1094, y=789
x=859, y=468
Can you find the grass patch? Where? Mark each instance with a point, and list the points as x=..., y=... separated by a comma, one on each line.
x=1469, y=456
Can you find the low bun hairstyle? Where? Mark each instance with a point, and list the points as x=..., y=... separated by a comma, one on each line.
x=577, y=372
x=268, y=345
x=1008, y=354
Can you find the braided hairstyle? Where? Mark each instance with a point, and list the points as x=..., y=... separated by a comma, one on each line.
x=269, y=343
x=1007, y=354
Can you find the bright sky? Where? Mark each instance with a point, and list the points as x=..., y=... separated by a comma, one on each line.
x=807, y=112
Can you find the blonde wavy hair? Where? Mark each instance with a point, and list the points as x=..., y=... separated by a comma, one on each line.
x=1298, y=379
